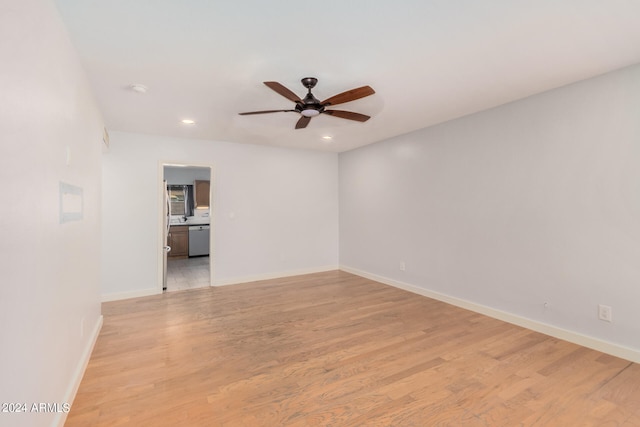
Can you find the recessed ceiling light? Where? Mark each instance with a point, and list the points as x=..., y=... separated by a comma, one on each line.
x=188, y=122
x=139, y=88
x=327, y=138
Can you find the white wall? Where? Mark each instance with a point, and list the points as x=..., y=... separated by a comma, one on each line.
x=532, y=202
x=49, y=272
x=185, y=175
x=275, y=210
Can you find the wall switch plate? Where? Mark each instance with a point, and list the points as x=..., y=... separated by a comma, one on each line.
x=403, y=266
x=605, y=313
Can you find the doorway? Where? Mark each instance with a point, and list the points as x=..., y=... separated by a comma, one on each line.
x=186, y=238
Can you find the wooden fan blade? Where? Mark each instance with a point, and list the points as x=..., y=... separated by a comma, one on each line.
x=350, y=95
x=265, y=112
x=303, y=122
x=347, y=115
x=283, y=91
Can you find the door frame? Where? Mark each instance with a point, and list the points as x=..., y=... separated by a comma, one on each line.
x=160, y=233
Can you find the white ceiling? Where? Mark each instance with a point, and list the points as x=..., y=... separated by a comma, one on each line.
x=428, y=60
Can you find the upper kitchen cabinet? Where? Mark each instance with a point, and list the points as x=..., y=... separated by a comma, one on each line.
x=202, y=194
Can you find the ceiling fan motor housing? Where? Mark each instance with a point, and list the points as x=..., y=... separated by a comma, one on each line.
x=310, y=106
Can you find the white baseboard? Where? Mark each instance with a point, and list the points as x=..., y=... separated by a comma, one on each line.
x=269, y=276
x=129, y=294
x=547, y=329
x=78, y=373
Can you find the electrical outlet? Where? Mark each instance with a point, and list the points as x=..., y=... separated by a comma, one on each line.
x=605, y=313
x=403, y=266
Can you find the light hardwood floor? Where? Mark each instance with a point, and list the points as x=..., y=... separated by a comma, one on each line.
x=334, y=349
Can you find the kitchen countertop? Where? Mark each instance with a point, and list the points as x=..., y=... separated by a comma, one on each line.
x=199, y=221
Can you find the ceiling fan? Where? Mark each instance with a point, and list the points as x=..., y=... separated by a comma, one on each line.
x=310, y=106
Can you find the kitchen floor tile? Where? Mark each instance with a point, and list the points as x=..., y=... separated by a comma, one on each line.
x=188, y=273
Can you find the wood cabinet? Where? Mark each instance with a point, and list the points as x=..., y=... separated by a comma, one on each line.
x=202, y=194
x=179, y=241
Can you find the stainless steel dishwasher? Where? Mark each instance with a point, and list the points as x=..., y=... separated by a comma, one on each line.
x=198, y=240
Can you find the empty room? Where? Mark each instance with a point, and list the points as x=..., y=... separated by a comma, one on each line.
x=248, y=213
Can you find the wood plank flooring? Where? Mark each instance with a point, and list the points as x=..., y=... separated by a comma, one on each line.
x=334, y=349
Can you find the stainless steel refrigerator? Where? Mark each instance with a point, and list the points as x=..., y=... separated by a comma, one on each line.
x=166, y=214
